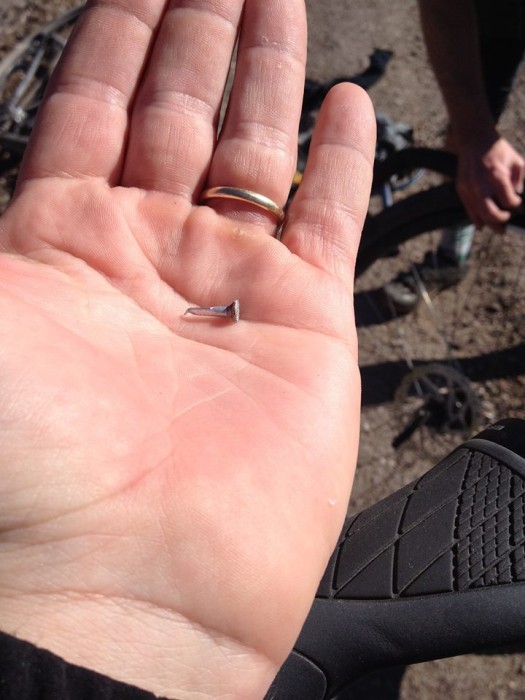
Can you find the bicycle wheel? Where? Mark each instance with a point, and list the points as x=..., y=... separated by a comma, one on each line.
x=432, y=377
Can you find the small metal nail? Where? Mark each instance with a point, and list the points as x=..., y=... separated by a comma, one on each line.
x=231, y=311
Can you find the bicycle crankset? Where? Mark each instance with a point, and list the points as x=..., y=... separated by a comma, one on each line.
x=432, y=400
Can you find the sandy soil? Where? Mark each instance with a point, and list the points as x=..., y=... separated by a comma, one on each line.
x=487, y=310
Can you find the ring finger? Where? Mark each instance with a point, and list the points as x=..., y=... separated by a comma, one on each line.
x=257, y=146
x=174, y=119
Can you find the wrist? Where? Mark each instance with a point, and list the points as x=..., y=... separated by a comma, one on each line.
x=138, y=644
x=469, y=135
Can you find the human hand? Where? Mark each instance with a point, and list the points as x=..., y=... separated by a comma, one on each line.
x=489, y=180
x=172, y=487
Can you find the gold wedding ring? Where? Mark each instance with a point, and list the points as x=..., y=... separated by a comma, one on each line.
x=241, y=195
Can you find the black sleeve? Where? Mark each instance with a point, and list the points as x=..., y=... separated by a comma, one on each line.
x=29, y=673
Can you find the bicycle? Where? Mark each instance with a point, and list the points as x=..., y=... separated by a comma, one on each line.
x=431, y=393
x=435, y=404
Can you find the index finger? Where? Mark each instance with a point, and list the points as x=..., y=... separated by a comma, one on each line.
x=82, y=125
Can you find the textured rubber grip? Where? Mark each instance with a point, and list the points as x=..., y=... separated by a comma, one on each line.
x=435, y=570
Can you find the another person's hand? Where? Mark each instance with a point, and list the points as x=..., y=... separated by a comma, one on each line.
x=171, y=487
x=490, y=180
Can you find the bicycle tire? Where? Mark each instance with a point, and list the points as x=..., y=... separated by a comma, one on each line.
x=414, y=158
x=432, y=571
x=436, y=207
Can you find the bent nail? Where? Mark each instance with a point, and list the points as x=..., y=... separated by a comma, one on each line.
x=230, y=311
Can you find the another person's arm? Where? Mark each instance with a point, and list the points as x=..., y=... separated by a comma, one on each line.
x=490, y=177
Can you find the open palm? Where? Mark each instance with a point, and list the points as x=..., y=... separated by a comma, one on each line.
x=172, y=486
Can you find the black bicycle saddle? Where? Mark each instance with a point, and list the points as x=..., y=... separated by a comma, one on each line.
x=434, y=570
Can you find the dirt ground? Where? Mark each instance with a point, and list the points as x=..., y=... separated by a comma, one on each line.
x=487, y=312
x=484, y=317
